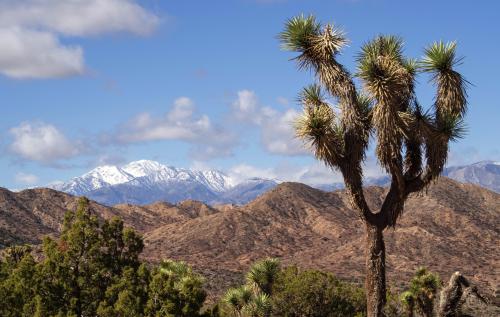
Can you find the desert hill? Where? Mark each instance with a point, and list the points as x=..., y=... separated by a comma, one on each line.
x=28, y=215
x=452, y=226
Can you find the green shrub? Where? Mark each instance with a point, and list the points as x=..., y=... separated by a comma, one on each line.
x=315, y=293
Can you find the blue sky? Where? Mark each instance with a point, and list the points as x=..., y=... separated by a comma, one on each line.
x=203, y=84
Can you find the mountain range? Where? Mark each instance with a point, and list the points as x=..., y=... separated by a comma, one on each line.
x=144, y=182
x=452, y=226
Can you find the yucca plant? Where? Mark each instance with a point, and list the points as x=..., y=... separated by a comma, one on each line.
x=262, y=275
x=259, y=307
x=411, y=144
x=421, y=294
x=254, y=298
x=238, y=299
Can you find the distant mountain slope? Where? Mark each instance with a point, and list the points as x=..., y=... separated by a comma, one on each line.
x=246, y=191
x=485, y=174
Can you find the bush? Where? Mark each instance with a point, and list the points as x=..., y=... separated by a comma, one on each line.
x=315, y=293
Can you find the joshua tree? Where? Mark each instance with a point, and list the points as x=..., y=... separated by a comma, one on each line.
x=412, y=144
x=262, y=275
x=421, y=293
x=454, y=295
x=254, y=298
x=238, y=299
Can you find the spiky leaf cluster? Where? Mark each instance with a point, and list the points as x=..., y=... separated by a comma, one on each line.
x=421, y=293
x=254, y=298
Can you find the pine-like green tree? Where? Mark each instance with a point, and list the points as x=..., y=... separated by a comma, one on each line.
x=94, y=269
x=128, y=296
x=312, y=293
x=17, y=279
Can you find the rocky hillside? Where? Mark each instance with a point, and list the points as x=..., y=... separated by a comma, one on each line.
x=452, y=226
x=27, y=216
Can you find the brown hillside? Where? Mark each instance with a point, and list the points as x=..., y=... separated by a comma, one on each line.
x=451, y=227
x=27, y=216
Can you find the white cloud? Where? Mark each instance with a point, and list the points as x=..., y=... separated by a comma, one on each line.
x=41, y=142
x=30, y=32
x=183, y=108
x=244, y=171
x=37, y=54
x=246, y=107
x=26, y=179
x=277, y=132
x=79, y=17
x=208, y=140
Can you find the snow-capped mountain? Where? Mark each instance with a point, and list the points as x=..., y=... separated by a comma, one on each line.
x=155, y=172
x=99, y=177
x=144, y=181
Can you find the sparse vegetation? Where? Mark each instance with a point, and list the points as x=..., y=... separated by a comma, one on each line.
x=411, y=143
x=94, y=269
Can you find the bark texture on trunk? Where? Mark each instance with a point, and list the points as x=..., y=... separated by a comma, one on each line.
x=455, y=293
x=375, y=271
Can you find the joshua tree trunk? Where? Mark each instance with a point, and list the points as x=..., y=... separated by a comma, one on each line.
x=375, y=271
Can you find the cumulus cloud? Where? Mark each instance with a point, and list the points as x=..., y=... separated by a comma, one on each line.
x=181, y=122
x=276, y=127
x=30, y=32
x=79, y=17
x=41, y=142
x=26, y=179
x=37, y=54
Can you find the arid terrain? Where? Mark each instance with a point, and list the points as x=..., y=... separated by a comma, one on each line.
x=451, y=227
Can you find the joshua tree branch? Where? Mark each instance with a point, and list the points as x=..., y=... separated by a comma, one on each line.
x=354, y=185
x=455, y=293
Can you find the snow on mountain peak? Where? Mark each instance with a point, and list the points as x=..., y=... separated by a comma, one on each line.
x=214, y=180
x=143, y=168
x=109, y=174
x=101, y=176
x=145, y=175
